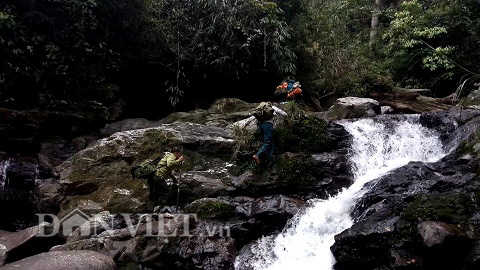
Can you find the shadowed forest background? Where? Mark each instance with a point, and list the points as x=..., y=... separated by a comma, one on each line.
x=166, y=55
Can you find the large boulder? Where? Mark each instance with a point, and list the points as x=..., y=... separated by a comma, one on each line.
x=222, y=113
x=60, y=260
x=353, y=107
x=198, y=247
x=247, y=218
x=122, y=196
x=93, y=178
x=99, y=177
x=18, y=245
x=128, y=124
x=472, y=100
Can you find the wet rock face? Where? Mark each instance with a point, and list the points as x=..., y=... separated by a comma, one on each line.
x=421, y=215
x=447, y=122
x=247, y=218
x=18, y=177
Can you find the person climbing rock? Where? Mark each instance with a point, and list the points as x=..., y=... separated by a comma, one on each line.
x=159, y=190
x=265, y=113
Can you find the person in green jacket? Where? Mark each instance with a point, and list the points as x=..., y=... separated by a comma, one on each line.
x=159, y=190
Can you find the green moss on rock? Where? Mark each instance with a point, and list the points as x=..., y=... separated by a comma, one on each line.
x=125, y=196
x=297, y=172
x=471, y=145
x=197, y=117
x=230, y=105
x=212, y=209
x=306, y=134
x=450, y=208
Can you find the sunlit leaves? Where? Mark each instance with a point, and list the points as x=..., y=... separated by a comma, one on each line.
x=413, y=26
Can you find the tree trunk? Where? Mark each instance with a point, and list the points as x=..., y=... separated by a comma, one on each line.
x=374, y=25
x=412, y=102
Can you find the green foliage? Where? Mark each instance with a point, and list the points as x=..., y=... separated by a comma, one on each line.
x=232, y=38
x=334, y=40
x=55, y=48
x=59, y=49
x=422, y=42
x=411, y=28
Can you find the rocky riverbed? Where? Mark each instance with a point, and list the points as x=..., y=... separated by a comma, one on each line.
x=409, y=217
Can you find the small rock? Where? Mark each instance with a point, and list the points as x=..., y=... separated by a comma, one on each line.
x=434, y=232
x=386, y=110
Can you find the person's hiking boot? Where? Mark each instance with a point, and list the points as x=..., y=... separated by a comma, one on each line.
x=256, y=159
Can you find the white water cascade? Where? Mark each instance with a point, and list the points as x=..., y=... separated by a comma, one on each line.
x=377, y=148
x=3, y=173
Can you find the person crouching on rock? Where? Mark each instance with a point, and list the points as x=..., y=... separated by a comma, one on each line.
x=265, y=113
x=159, y=190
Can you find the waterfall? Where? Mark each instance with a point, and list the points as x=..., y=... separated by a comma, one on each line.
x=3, y=173
x=378, y=146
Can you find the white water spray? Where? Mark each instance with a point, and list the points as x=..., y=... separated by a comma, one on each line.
x=3, y=173
x=377, y=148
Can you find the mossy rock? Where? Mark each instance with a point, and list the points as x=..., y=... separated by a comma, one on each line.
x=213, y=209
x=125, y=196
x=231, y=105
x=471, y=145
x=306, y=134
x=297, y=172
x=472, y=100
x=197, y=117
x=450, y=208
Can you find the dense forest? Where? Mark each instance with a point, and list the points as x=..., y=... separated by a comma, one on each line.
x=174, y=54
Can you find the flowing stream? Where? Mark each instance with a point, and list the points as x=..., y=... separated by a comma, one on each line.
x=3, y=173
x=378, y=146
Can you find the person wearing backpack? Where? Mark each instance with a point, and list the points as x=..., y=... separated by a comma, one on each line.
x=265, y=113
x=158, y=187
